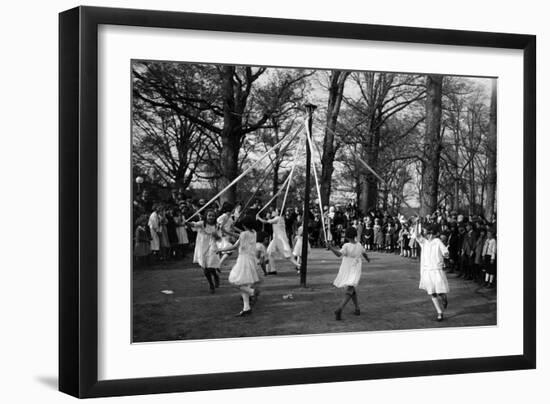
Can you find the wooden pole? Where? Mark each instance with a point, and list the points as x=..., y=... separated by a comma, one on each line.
x=305, y=220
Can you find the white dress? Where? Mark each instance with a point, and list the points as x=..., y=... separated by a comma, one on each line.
x=279, y=244
x=297, y=251
x=154, y=226
x=180, y=230
x=245, y=272
x=328, y=220
x=432, y=277
x=350, y=269
x=224, y=222
x=206, y=249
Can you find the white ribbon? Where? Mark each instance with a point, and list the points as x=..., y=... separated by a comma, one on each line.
x=286, y=182
x=277, y=193
x=272, y=166
x=370, y=169
x=236, y=179
x=310, y=143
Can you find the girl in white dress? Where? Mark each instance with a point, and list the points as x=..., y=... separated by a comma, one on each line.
x=206, y=248
x=350, y=270
x=244, y=273
x=225, y=224
x=432, y=277
x=279, y=245
x=297, y=251
x=154, y=231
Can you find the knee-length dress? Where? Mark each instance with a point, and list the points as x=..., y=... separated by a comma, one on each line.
x=154, y=230
x=245, y=270
x=432, y=277
x=279, y=244
x=349, y=273
x=183, y=238
x=206, y=248
x=225, y=222
x=297, y=251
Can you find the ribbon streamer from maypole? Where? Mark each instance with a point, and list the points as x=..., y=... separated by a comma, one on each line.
x=370, y=169
x=360, y=160
x=272, y=166
x=310, y=143
x=286, y=182
x=283, y=185
x=236, y=180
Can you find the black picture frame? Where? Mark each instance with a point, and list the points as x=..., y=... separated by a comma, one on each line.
x=78, y=196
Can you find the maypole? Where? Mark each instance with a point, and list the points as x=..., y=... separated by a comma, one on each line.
x=310, y=108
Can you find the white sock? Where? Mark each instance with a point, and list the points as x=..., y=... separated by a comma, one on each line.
x=435, y=301
x=247, y=289
x=491, y=278
x=246, y=301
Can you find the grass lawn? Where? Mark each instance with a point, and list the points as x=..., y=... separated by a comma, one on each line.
x=388, y=295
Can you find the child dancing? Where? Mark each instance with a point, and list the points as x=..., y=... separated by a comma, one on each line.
x=244, y=273
x=206, y=249
x=432, y=277
x=279, y=244
x=297, y=251
x=350, y=270
x=225, y=224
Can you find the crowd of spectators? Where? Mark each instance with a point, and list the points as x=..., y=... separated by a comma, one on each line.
x=160, y=231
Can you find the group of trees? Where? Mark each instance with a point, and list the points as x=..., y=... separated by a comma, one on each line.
x=431, y=139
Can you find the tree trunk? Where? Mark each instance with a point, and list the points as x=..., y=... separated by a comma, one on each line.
x=369, y=198
x=432, y=145
x=492, y=154
x=336, y=91
x=230, y=166
x=230, y=135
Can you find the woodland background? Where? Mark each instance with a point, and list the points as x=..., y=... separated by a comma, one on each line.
x=431, y=138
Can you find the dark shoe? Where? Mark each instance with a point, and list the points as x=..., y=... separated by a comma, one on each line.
x=439, y=317
x=243, y=313
x=212, y=290
x=254, y=297
x=338, y=314
x=357, y=312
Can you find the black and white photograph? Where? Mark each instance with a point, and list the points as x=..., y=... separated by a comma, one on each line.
x=276, y=201
x=243, y=201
